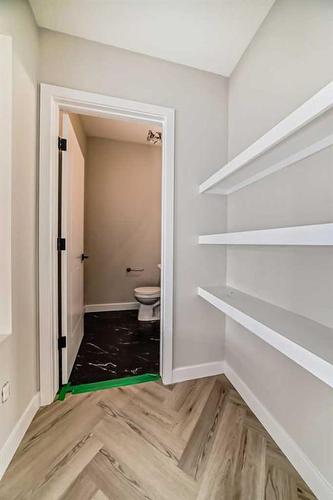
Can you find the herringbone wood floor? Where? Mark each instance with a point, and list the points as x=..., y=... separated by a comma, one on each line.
x=194, y=440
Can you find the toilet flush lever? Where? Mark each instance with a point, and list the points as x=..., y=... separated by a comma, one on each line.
x=130, y=269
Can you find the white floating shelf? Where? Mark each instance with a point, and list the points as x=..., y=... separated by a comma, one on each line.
x=318, y=104
x=308, y=343
x=311, y=235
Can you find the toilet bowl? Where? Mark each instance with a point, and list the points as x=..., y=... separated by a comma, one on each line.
x=149, y=299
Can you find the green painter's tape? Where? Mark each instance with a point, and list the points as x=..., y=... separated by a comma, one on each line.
x=107, y=384
x=63, y=391
x=117, y=382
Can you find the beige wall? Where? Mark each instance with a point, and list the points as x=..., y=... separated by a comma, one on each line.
x=79, y=132
x=288, y=61
x=122, y=219
x=200, y=101
x=78, y=129
x=18, y=354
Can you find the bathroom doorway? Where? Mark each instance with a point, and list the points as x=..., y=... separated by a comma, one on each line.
x=136, y=316
x=110, y=216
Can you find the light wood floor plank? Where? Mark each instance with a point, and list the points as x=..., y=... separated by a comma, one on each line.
x=83, y=488
x=179, y=394
x=99, y=495
x=218, y=480
x=192, y=406
x=149, y=408
x=197, y=449
x=250, y=482
x=165, y=442
x=46, y=449
x=195, y=440
x=115, y=479
x=59, y=479
x=279, y=485
x=156, y=473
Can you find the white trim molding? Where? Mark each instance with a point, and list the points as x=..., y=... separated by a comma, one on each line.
x=113, y=306
x=5, y=186
x=309, y=472
x=197, y=371
x=9, y=448
x=54, y=99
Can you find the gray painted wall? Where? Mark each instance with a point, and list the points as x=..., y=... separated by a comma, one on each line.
x=288, y=61
x=122, y=219
x=200, y=101
x=18, y=354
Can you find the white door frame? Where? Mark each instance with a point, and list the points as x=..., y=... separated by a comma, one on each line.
x=52, y=100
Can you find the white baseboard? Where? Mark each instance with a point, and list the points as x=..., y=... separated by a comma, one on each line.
x=197, y=371
x=113, y=306
x=9, y=448
x=309, y=472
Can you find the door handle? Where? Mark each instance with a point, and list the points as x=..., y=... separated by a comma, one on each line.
x=84, y=257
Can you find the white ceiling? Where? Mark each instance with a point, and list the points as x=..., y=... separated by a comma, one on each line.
x=118, y=130
x=210, y=35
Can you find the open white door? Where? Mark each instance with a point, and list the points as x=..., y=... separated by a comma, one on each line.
x=72, y=263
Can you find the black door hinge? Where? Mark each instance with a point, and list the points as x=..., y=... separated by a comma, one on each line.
x=62, y=144
x=62, y=342
x=61, y=244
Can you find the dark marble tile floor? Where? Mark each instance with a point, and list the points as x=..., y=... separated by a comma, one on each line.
x=115, y=345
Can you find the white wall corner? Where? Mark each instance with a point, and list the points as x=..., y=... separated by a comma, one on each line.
x=309, y=472
x=14, y=439
x=197, y=371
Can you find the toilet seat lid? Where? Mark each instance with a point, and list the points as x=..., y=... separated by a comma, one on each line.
x=147, y=290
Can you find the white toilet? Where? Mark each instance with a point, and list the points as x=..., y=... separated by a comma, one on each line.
x=149, y=298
